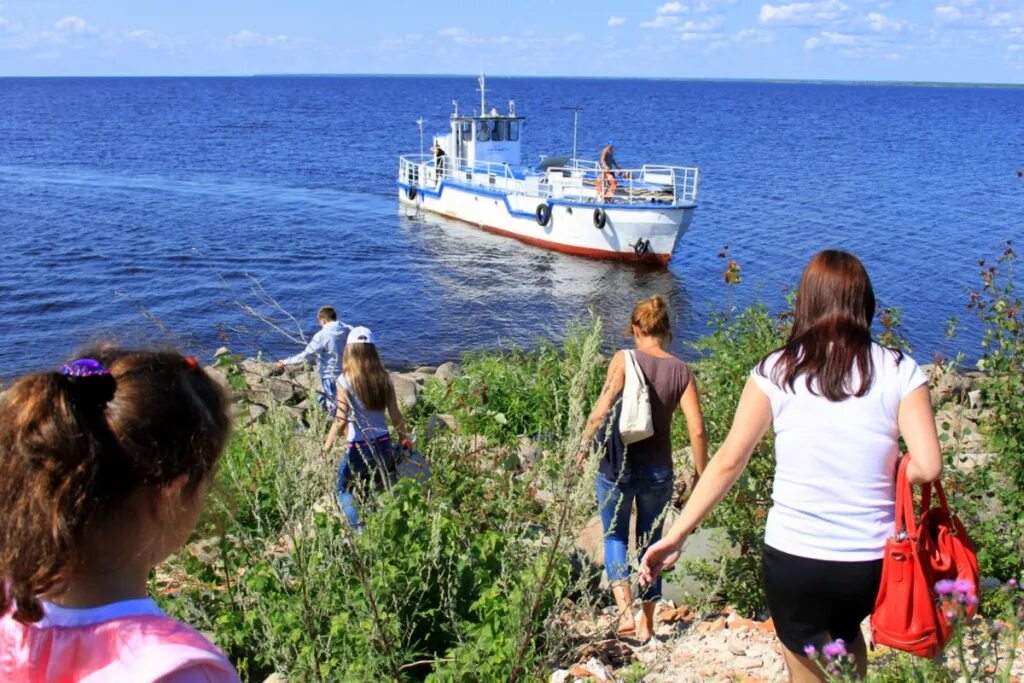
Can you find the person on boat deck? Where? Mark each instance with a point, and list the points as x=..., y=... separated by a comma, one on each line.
x=440, y=160
x=606, y=183
x=325, y=348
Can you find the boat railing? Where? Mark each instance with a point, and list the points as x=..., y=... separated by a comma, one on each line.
x=579, y=180
x=586, y=180
x=422, y=170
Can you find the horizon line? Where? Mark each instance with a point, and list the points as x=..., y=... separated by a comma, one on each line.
x=822, y=81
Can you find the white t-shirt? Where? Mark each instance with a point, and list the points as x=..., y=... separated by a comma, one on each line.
x=835, y=491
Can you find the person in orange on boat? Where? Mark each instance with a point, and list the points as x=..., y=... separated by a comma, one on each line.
x=606, y=183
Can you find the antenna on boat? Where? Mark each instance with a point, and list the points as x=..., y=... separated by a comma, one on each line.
x=455, y=106
x=575, y=124
x=419, y=122
x=483, y=103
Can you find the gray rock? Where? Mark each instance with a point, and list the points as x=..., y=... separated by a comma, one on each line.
x=948, y=385
x=968, y=462
x=276, y=678
x=425, y=370
x=529, y=452
x=440, y=425
x=960, y=423
x=406, y=390
x=256, y=411
x=447, y=371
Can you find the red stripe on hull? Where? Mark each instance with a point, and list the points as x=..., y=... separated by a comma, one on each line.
x=603, y=254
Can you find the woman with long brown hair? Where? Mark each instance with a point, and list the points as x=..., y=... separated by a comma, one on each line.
x=364, y=392
x=642, y=474
x=838, y=402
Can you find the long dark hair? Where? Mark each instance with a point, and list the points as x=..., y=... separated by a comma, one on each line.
x=367, y=376
x=831, y=331
x=73, y=449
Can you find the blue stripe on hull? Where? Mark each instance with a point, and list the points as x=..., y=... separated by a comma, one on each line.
x=473, y=189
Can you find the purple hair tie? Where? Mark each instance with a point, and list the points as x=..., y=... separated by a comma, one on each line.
x=84, y=367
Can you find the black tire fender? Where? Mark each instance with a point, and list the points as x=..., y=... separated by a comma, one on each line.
x=411, y=192
x=543, y=214
x=600, y=218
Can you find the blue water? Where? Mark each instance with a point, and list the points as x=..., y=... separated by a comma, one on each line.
x=157, y=210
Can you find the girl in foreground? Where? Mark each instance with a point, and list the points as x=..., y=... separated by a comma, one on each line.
x=364, y=393
x=838, y=403
x=645, y=476
x=103, y=468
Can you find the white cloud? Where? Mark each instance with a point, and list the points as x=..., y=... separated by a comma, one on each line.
x=573, y=38
x=752, y=35
x=661, y=21
x=803, y=13
x=671, y=8
x=69, y=25
x=616, y=21
x=246, y=38
x=707, y=26
x=704, y=6
x=150, y=39
x=450, y=32
x=879, y=23
x=827, y=39
x=971, y=14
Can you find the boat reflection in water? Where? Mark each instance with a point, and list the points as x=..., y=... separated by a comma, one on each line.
x=515, y=292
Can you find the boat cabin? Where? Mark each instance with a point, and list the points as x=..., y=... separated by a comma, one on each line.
x=485, y=138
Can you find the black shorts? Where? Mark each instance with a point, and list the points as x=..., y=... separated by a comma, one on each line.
x=813, y=602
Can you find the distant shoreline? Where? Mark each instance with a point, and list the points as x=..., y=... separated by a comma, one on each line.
x=684, y=79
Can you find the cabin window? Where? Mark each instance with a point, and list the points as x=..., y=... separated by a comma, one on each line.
x=513, y=131
x=498, y=132
x=466, y=130
x=483, y=132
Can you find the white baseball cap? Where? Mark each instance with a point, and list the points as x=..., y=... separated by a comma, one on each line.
x=360, y=335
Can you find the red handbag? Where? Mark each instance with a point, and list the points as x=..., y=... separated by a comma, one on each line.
x=908, y=615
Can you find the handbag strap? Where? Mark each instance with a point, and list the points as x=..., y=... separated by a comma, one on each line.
x=926, y=496
x=906, y=517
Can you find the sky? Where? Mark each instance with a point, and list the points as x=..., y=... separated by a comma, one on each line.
x=978, y=41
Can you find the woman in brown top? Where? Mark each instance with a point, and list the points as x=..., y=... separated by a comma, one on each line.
x=642, y=473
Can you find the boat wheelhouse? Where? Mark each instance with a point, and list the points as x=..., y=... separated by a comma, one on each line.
x=475, y=174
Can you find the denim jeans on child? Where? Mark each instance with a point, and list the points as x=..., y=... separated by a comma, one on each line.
x=651, y=488
x=367, y=465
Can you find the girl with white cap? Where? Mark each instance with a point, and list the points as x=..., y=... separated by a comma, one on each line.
x=365, y=392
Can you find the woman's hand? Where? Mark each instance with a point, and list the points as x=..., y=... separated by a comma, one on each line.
x=658, y=558
x=581, y=457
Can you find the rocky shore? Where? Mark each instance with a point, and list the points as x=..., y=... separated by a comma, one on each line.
x=688, y=645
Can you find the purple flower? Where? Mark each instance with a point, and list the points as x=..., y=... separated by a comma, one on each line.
x=945, y=587
x=951, y=614
x=1012, y=583
x=963, y=586
x=810, y=650
x=837, y=648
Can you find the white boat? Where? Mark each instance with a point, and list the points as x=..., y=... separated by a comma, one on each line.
x=566, y=204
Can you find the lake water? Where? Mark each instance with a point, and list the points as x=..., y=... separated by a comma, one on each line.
x=174, y=209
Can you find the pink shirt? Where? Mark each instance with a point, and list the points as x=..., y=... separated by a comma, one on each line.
x=131, y=640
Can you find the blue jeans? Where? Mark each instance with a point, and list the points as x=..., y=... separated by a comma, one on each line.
x=327, y=397
x=366, y=464
x=651, y=488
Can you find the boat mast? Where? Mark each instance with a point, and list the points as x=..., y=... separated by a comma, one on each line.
x=483, y=103
x=419, y=122
x=575, y=123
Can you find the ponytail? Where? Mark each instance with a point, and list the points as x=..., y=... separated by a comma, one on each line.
x=74, y=446
x=650, y=316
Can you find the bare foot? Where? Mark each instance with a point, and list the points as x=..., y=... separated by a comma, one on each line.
x=645, y=630
x=627, y=624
